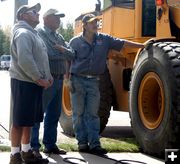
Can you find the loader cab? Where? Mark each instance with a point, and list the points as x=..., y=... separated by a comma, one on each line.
x=174, y=9
x=148, y=13
x=129, y=18
x=135, y=19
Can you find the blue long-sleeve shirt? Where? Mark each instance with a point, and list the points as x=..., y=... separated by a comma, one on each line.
x=56, y=58
x=91, y=59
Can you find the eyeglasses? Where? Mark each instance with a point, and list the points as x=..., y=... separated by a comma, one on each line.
x=33, y=12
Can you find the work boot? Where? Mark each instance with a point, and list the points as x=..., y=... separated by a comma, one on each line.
x=98, y=150
x=83, y=148
x=54, y=150
x=30, y=158
x=37, y=154
x=16, y=159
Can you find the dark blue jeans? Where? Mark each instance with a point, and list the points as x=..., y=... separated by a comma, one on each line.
x=85, y=103
x=52, y=108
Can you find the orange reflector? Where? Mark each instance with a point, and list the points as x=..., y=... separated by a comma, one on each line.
x=159, y=2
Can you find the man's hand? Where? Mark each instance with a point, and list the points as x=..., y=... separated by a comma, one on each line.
x=67, y=75
x=59, y=47
x=43, y=83
x=51, y=82
x=149, y=44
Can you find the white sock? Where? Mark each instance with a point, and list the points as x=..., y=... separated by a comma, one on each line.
x=26, y=147
x=15, y=150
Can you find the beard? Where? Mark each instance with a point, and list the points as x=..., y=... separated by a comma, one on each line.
x=36, y=22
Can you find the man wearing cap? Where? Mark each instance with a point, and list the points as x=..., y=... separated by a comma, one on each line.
x=91, y=49
x=58, y=53
x=29, y=73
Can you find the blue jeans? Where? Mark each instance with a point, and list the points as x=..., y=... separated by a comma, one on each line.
x=52, y=108
x=85, y=103
x=35, y=137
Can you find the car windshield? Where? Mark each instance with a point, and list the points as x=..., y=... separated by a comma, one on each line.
x=5, y=58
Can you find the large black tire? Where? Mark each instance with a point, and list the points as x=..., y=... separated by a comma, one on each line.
x=66, y=123
x=106, y=92
x=66, y=112
x=154, y=98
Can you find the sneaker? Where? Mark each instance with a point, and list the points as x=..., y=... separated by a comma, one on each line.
x=16, y=159
x=98, y=151
x=54, y=150
x=30, y=158
x=37, y=154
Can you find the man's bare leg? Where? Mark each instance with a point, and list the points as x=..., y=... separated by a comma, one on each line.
x=25, y=141
x=26, y=135
x=16, y=135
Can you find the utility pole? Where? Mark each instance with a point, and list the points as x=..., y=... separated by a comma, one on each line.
x=17, y=4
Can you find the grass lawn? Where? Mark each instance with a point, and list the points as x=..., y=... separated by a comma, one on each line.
x=111, y=145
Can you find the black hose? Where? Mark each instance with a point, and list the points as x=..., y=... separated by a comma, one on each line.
x=123, y=161
x=4, y=128
x=68, y=160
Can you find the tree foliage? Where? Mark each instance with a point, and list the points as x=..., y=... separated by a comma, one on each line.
x=2, y=38
x=67, y=32
x=5, y=40
x=6, y=45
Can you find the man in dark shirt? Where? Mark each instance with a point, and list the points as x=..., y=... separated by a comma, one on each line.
x=91, y=49
x=58, y=54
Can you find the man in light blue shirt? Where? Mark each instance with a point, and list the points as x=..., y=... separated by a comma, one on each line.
x=91, y=49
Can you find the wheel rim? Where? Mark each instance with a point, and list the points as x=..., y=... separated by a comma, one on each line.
x=151, y=100
x=66, y=101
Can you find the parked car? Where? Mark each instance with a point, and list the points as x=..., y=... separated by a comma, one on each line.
x=5, y=62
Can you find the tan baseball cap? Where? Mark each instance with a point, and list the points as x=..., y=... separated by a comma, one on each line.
x=89, y=18
x=53, y=12
x=23, y=9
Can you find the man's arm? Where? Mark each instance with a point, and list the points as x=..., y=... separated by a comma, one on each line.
x=115, y=43
x=130, y=44
x=62, y=51
x=66, y=51
x=44, y=83
x=25, y=56
x=118, y=44
x=26, y=60
x=65, y=48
